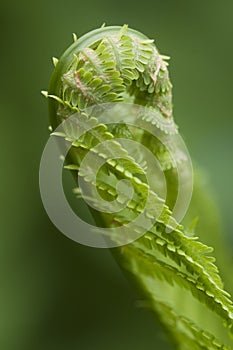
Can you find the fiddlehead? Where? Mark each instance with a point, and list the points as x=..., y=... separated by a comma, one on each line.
x=112, y=65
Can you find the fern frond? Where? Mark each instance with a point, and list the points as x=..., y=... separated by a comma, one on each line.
x=114, y=65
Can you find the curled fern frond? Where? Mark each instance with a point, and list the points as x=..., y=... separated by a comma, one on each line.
x=114, y=65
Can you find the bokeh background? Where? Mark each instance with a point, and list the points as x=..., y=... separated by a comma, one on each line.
x=54, y=293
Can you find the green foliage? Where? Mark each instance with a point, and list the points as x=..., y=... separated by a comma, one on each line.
x=175, y=270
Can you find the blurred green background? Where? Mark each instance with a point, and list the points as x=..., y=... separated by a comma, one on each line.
x=54, y=293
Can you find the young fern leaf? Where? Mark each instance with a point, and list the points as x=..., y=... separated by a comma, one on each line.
x=114, y=65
